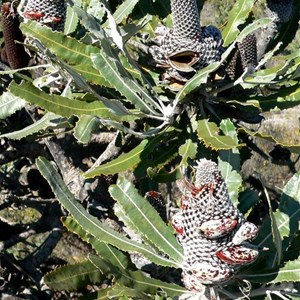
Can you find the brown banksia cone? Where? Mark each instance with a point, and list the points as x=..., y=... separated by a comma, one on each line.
x=13, y=53
x=51, y=13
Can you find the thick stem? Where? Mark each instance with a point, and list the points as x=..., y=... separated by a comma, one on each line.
x=186, y=20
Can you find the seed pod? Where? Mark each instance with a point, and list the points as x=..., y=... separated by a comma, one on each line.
x=238, y=255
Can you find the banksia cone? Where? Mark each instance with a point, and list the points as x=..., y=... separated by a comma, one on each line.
x=213, y=232
x=51, y=13
x=13, y=53
x=281, y=10
x=187, y=46
x=245, y=56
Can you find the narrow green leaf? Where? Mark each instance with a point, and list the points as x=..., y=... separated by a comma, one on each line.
x=60, y=105
x=146, y=219
x=275, y=233
x=163, y=176
x=85, y=127
x=290, y=272
x=49, y=120
x=121, y=80
x=127, y=160
x=107, y=252
x=73, y=277
x=137, y=280
x=90, y=223
x=232, y=178
x=288, y=215
x=208, y=132
x=9, y=104
x=237, y=16
x=124, y=10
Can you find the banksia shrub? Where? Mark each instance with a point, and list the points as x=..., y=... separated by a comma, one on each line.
x=141, y=117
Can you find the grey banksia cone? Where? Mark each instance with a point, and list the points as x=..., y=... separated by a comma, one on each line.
x=187, y=46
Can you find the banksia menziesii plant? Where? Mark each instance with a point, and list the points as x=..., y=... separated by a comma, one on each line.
x=51, y=13
x=187, y=46
x=13, y=52
x=214, y=234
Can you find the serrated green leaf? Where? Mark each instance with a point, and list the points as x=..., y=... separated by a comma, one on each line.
x=137, y=280
x=290, y=272
x=118, y=77
x=9, y=104
x=146, y=219
x=107, y=252
x=60, y=105
x=90, y=223
x=49, y=120
x=84, y=128
x=237, y=16
x=71, y=20
x=187, y=150
x=66, y=48
x=126, y=160
x=157, y=158
x=124, y=10
x=209, y=134
x=73, y=277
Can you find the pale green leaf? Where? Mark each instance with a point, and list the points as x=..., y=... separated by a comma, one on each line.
x=71, y=20
x=92, y=224
x=73, y=276
x=237, y=16
x=186, y=151
x=124, y=10
x=84, y=128
x=49, y=120
x=9, y=104
x=146, y=219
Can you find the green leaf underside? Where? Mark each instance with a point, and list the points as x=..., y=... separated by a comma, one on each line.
x=208, y=133
x=73, y=276
x=186, y=151
x=137, y=280
x=237, y=16
x=90, y=223
x=146, y=219
x=49, y=120
x=61, y=105
x=107, y=252
x=9, y=104
x=121, y=80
